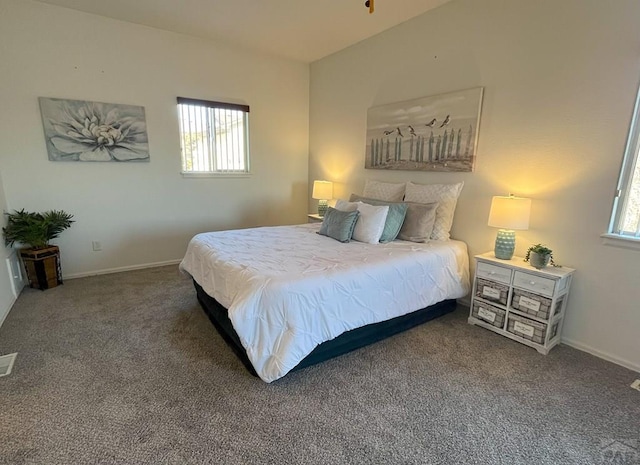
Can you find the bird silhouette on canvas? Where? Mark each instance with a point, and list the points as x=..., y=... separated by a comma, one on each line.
x=446, y=121
x=399, y=132
x=412, y=131
x=388, y=133
x=431, y=123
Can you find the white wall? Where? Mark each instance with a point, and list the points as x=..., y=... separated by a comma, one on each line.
x=144, y=212
x=560, y=80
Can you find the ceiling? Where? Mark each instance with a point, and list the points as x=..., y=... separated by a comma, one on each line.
x=303, y=30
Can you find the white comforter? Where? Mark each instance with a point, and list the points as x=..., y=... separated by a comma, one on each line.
x=289, y=289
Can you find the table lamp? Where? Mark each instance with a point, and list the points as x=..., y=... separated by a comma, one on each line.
x=508, y=213
x=322, y=191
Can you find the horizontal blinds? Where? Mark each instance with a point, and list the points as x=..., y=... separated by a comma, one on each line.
x=214, y=136
x=212, y=104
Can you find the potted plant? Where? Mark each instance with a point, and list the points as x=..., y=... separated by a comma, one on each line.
x=539, y=256
x=36, y=230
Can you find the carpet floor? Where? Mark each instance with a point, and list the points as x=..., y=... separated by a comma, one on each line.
x=127, y=369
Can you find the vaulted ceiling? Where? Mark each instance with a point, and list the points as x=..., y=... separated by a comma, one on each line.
x=303, y=30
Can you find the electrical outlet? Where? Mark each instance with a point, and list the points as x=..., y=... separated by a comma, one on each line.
x=636, y=385
x=97, y=246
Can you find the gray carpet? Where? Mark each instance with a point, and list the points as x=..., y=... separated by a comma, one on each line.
x=127, y=369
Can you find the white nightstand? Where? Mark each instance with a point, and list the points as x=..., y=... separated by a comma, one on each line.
x=516, y=300
x=314, y=218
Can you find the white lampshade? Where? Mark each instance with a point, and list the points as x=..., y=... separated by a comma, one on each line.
x=322, y=190
x=510, y=212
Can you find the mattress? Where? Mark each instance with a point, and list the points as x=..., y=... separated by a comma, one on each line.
x=288, y=289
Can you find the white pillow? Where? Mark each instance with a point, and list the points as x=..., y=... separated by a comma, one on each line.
x=389, y=191
x=446, y=195
x=345, y=206
x=370, y=223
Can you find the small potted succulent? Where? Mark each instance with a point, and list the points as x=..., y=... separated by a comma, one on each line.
x=35, y=231
x=539, y=256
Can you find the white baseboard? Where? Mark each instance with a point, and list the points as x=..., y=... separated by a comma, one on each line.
x=600, y=354
x=120, y=269
x=5, y=312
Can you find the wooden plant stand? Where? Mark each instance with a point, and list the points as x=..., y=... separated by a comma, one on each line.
x=43, y=267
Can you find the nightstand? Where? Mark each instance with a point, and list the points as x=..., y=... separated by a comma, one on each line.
x=314, y=218
x=516, y=300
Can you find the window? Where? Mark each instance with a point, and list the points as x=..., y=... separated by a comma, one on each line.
x=214, y=137
x=625, y=218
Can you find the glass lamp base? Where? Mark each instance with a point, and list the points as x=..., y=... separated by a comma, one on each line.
x=505, y=244
x=322, y=207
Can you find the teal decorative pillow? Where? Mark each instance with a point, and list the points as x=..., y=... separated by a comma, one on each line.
x=395, y=217
x=339, y=225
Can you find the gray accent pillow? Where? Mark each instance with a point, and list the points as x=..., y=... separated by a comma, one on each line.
x=418, y=223
x=395, y=217
x=339, y=225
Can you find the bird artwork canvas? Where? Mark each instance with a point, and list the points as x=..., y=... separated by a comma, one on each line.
x=79, y=130
x=437, y=133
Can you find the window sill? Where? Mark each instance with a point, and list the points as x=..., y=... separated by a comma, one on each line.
x=617, y=240
x=188, y=174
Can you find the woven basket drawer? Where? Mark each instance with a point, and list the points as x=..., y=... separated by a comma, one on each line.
x=490, y=290
x=526, y=328
x=534, y=304
x=488, y=313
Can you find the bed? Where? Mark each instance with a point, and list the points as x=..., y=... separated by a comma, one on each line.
x=285, y=297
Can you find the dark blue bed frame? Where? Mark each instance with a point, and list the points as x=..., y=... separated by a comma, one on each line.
x=346, y=342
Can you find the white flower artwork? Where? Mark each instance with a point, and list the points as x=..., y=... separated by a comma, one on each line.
x=78, y=130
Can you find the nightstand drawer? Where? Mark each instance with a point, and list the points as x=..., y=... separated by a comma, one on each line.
x=535, y=304
x=492, y=291
x=494, y=273
x=493, y=315
x=526, y=328
x=534, y=283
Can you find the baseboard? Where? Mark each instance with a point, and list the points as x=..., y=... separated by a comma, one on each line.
x=5, y=312
x=120, y=269
x=600, y=354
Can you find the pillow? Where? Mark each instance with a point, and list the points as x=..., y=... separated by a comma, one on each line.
x=370, y=223
x=345, y=206
x=338, y=225
x=395, y=217
x=419, y=221
x=446, y=195
x=389, y=191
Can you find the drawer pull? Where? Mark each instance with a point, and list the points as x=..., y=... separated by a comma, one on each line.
x=533, y=283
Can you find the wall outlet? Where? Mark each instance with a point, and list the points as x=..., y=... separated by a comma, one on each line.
x=636, y=385
x=97, y=246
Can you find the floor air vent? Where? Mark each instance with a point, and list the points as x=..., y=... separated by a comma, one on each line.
x=6, y=363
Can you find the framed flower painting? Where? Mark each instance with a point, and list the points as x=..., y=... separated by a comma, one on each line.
x=78, y=130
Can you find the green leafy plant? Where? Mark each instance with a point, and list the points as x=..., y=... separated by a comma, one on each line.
x=35, y=229
x=540, y=250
